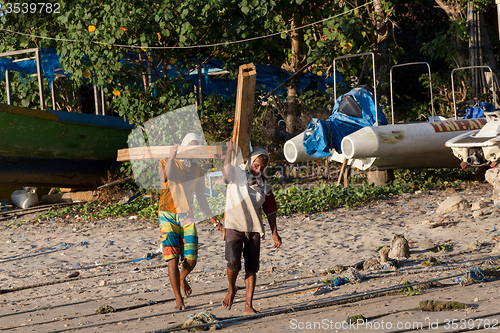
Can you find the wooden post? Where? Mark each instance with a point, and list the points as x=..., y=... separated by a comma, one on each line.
x=40, y=78
x=342, y=169
x=498, y=14
x=347, y=173
x=103, y=103
x=200, y=89
x=96, y=101
x=245, y=99
x=53, y=95
x=7, y=85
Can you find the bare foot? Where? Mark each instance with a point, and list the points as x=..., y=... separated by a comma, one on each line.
x=186, y=288
x=179, y=305
x=227, y=302
x=250, y=311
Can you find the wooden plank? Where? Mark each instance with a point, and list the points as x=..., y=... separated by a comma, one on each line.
x=342, y=169
x=347, y=173
x=69, y=197
x=11, y=53
x=245, y=99
x=159, y=152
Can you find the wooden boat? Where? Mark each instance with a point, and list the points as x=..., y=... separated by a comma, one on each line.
x=47, y=148
x=58, y=148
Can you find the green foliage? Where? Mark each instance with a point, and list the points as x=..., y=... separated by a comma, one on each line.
x=408, y=291
x=312, y=198
x=428, y=178
x=217, y=205
x=95, y=210
x=217, y=118
x=420, y=30
x=442, y=247
x=24, y=91
x=431, y=262
x=315, y=101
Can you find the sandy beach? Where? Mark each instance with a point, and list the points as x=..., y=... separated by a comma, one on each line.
x=55, y=275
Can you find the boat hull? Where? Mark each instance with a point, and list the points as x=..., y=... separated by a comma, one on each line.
x=57, y=148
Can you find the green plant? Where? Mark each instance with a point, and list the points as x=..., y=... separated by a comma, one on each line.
x=216, y=204
x=443, y=247
x=431, y=262
x=408, y=291
x=217, y=118
x=96, y=210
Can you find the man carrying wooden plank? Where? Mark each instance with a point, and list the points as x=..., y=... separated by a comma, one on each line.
x=181, y=180
x=248, y=194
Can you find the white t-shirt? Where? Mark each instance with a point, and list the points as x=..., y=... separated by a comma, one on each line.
x=243, y=204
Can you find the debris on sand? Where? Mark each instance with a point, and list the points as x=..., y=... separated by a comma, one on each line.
x=430, y=305
x=200, y=319
x=105, y=309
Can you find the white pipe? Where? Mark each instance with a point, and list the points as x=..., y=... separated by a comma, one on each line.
x=294, y=150
x=406, y=140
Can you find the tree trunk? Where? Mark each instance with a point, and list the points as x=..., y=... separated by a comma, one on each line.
x=382, y=35
x=293, y=107
x=454, y=11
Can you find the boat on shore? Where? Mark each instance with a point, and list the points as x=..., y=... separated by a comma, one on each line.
x=52, y=148
x=58, y=148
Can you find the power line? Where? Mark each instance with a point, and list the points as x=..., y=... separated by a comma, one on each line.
x=187, y=47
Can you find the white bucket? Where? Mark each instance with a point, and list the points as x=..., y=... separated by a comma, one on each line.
x=25, y=198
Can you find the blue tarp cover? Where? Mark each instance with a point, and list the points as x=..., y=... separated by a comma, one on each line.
x=477, y=111
x=268, y=77
x=323, y=135
x=50, y=63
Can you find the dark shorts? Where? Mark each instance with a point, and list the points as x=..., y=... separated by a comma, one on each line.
x=248, y=243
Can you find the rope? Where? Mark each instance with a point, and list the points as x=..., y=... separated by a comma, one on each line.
x=349, y=299
x=40, y=251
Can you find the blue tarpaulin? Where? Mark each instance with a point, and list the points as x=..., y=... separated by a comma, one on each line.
x=477, y=111
x=50, y=63
x=323, y=135
x=268, y=77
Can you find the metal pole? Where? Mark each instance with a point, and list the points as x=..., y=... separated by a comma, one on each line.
x=7, y=87
x=472, y=67
x=374, y=90
x=8, y=54
x=374, y=79
x=40, y=78
x=288, y=80
x=430, y=86
x=200, y=89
